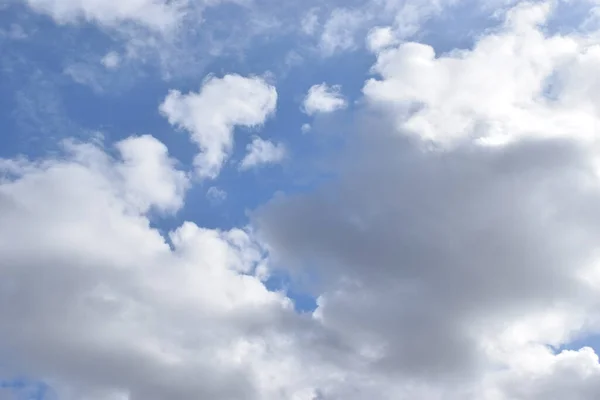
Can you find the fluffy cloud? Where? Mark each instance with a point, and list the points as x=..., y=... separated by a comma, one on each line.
x=459, y=244
x=97, y=303
x=454, y=250
x=149, y=175
x=322, y=98
x=260, y=152
x=517, y=82
x=212, y=114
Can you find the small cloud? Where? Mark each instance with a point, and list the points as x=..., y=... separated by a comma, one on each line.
x=111, y=60
x=261, y=152
x=212, y=114
x=379, y=38
x=306, y=128
x=216, y=195
x=324, y=99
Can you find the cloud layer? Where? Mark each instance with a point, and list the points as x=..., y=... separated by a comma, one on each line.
x=452, y=250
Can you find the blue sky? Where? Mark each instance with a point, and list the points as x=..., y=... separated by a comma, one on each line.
x=322, y=200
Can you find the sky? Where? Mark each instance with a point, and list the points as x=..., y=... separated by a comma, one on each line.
x=311, y=200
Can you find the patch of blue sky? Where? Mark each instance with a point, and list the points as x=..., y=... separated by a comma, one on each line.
x=589, y=340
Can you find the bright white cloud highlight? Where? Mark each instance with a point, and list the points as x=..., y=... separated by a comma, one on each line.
x=212, y=114
x=95, y=302
x=261, y=152
x=460, y=241
x=454, y=245
x=323, y=98
x=514, y=83
x=150, y=175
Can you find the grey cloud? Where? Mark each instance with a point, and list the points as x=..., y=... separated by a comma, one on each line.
x=416, y=248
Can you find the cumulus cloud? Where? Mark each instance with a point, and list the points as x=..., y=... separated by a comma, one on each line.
x=454, y=249
x=517, y=82
x=212, y=114
x=458, y=247
x=97, y=303
x=149, y=175
x=380, y=38
x=323, y=98
x=261, y=152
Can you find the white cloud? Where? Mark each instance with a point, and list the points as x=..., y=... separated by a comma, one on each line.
x=305, y=128
x=96, y=303
x=261, y=152
x=379, y=38
x=111, y=60
x=212, y=114
x=150, y=175
x=155, y=14
x=322, y=98
x=517, y=82
x=448, y=265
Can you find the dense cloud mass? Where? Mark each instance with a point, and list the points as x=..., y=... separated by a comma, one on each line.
x=453, y=253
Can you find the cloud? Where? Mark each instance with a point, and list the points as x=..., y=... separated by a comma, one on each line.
x=150, y=175
x=452, y=250
x=379, y=38
x=458, y=246
x=99, y=305
x=517, y=82
x=154, y=14
x=261, y=152
x=212, y=114
x=322, y=98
